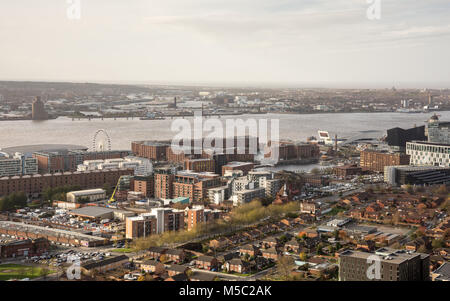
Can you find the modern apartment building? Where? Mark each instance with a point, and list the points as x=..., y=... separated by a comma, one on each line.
x=144, y=185
x=195, y=216
x=428, y=153
x=438, y=131
x=194, y=185
x=18, y=165
x=248, y=195
x=384, y=265
x=164, y=177
x=140, y=226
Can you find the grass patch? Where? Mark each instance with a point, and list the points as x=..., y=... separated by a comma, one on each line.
x=17, y=271
x=124, y=250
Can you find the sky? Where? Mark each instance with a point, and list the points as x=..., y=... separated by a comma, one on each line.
x=277, y=42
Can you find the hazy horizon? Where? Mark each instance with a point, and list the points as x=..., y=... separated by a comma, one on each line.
x=277, y=43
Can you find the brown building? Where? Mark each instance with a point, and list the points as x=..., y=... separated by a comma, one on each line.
x=206, y=262
x=27, y=247
x=200, y=165
x=295, y=151
x=175, y=255
x=194, y=185
x=37, y=110
x=244, y=166
x=144, y=185
x=164, y=183
x=376, y=161
x=150, y=149
x=249, y=249
x=270, y=253
x=65, y=160
x=347, y=171
x=107, y=264
x=394, y=265
x=194, y=217
x=140, y=226
x=83, y=180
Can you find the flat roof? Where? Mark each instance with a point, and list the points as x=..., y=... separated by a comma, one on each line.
x=91, y=211
x=236, y=163
x=46, y=231
x=429, y=143
x=42, y=148
x=87, y=191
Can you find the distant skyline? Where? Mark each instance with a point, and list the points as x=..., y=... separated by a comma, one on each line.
x=280, y=43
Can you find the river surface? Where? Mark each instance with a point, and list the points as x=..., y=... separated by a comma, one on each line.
x=123, y=131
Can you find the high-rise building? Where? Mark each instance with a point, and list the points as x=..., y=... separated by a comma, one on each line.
x=164, y=177
x=37, y=109
x=195, y=216
x=438, y=131
x=393, y=265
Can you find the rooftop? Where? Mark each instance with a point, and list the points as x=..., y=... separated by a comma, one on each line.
x=24, y=149
x=91, y=211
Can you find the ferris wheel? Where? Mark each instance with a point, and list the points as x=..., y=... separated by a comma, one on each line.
x=101, y=141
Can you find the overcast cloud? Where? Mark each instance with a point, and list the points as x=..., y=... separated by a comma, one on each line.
x=227, y=41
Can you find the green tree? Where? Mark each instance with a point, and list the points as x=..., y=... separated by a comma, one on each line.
x=437, y=243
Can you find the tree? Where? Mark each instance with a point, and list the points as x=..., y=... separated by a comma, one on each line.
x=442, y=190
x=437, y=243
x=409, y=189
x=303, y=256
x=284, y=266
x=422, y=249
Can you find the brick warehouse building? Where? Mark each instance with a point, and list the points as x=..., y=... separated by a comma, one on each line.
x=296, y=151
x=84, y=180
x=153, y=150
x=161, y=150
x=26, y=247
x=66, y=160
x=376, y=161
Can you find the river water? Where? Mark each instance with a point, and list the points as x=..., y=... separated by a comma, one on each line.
x=123, y=131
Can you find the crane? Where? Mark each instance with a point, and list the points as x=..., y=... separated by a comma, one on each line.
x=112, y=199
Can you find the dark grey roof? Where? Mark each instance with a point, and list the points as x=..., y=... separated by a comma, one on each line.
x=205, y=258
x=203, y=276
x=174, y=252
x=95, y=264
x=180, y=277
x=443, y=271
x=157, y=249
x=177, y=267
